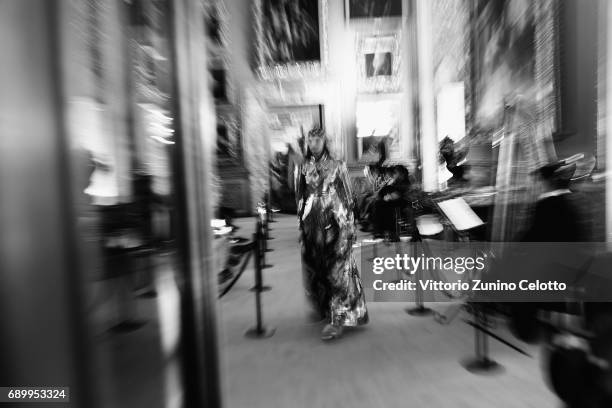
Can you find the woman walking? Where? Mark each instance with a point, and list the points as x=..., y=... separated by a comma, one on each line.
x=325, y=213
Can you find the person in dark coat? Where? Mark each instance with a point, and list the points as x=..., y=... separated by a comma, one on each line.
x=393, y=199
x=557, y=216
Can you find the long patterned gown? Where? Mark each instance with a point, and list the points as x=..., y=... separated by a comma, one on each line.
x=325, y=212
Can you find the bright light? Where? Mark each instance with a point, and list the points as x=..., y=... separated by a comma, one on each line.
x=375, y=118
x=451, y=111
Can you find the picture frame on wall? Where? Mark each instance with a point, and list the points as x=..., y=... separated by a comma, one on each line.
x=379, y=59
x=291, y=38
x=370, y=9
x=378, y=63
x=501, y=73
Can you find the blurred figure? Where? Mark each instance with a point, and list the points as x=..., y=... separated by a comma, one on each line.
x=282, y=168
x=392, y=200
x=367, y=196
x=455, y=163
x=557, y=211
x=446, y=150
x=325, y=213
x=459, y=177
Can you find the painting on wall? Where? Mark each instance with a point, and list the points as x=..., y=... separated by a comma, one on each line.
x=378, y=63
x=373, y=8
x=290, y=31
x=505, y=58
x=378, y=58
x=291, y=38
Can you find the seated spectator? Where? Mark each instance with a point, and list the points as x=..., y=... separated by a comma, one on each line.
x=367, y=196
x=393, y=196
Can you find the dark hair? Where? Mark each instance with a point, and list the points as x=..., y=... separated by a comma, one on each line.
x=403, y=171
x=446, y=150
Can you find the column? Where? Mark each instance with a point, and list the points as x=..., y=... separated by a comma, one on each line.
x=608, y=124
x=43, y=324
x=428, y=139
x=195, y=141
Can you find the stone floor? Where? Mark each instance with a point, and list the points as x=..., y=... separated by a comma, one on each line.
x=396, y=360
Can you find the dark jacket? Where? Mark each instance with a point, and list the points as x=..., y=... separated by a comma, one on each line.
x=557, y=218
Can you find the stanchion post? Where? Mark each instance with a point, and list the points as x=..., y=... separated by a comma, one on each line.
x=481, y=363
x=259, y=330
x=264, y=231
x=267, y=227
x=269, y=209
x=374, y=243
x=398, y=250
x=420, y=309
x=264, y=245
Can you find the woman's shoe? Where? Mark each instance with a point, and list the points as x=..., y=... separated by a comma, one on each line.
x=331, y=332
